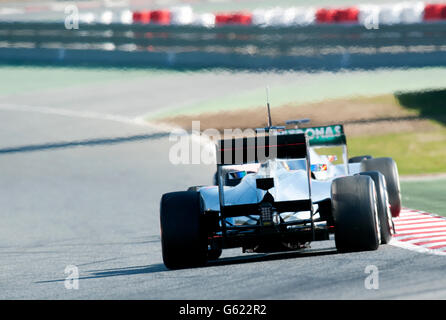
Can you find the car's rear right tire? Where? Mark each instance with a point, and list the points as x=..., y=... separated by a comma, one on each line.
x=388, y=167
x=355, y=214
x=359, y=158
x=384, y=214
x=183, y=233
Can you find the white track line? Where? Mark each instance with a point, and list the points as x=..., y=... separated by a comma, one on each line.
x=422, y=241
x=416, y=248
x=139, y=121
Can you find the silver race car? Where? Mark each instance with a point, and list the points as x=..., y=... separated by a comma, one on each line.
x=267, y=199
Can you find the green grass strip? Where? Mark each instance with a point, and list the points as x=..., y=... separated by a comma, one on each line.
x=425, y=195
x=414, y=152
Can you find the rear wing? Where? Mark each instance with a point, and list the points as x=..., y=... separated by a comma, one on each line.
x=323, y=136
x=238, y=151
x=261, y=148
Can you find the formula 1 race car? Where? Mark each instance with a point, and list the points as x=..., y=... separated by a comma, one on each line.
x=275, y=204
x=324, y=167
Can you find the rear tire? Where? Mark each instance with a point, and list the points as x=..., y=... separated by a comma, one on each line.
x=355, y=214
x=214, y=253
x=183, y=234
x=384, y=214
x=388, y=167
x=359, y=159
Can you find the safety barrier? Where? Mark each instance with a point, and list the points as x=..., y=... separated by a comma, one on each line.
x=278, y=38
x=397, y=13
x=363, y=14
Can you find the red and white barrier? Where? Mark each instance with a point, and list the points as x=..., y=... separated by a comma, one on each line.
x=398, y=13
x=205, y=20
x=345, y=15
x=434, y=12
x=182, y=15
x=374, y=15
x=162, y=17
x=283, y=17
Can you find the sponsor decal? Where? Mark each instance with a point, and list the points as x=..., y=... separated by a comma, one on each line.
x=321, y=136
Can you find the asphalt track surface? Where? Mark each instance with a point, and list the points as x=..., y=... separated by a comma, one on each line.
x=78, y=189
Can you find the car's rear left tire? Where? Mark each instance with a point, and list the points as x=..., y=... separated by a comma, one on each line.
x=183, y=234
x=355, y=214
x=214, y=253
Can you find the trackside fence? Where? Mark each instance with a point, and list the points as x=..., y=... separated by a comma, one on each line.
x=311, y=47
